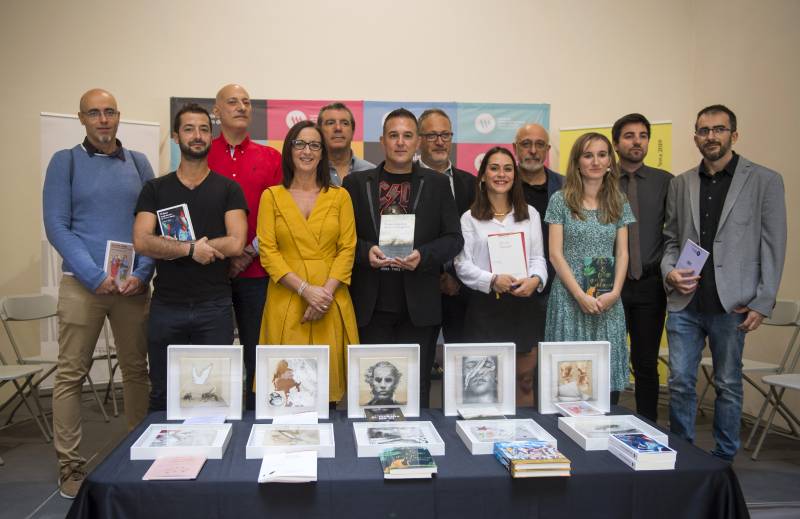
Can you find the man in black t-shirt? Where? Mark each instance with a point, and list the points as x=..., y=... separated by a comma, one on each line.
x=397, y=300
x=192, y=297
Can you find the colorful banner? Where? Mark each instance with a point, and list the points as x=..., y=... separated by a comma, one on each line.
x=659, y=154
x=476, y=126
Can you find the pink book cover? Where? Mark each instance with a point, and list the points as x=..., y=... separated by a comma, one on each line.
x=175, y=467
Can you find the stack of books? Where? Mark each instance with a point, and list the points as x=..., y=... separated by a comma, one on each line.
x=532, y=459
x=407, y=463
x=641, y=452
x=288, y=467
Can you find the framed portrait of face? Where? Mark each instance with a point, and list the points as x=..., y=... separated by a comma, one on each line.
x=574, y=372
x=291, y=380
x=204, y=381
x=382, y=375
x=479, y=376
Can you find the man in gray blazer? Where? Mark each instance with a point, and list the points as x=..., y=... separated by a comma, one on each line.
x=734, y=209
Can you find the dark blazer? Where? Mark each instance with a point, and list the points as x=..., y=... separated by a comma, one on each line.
x=437, y=237
x=464, y=185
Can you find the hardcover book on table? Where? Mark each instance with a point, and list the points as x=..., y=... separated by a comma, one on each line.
x=407, y=463
x=532, y=459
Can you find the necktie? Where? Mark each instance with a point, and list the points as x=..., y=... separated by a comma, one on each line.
x=635, y=259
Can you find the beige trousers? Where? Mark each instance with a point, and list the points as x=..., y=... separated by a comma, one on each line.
x=81, y=315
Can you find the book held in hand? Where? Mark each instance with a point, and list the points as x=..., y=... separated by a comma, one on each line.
x=396, y=238
x=598, y=275
x=175, y=222
x=175, y=467
x=384, y=414
x=692, y=257
x=507, y=254
x=288, y=467
x=118, y=262
x=530, y=459
x=407, y=463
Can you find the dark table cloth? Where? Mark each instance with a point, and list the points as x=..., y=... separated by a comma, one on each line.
x=466, y=486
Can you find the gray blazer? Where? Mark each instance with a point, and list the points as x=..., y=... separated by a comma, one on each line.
x=750, y=244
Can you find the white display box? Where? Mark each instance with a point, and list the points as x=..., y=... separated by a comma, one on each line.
x=382, y=375
x=373, y=437
x=291, y=380
x=480, y=375
x=204, y=381
x=269, y=438
x=572, y=372
x=592, y=432
x=480, y=435
x=160, y=440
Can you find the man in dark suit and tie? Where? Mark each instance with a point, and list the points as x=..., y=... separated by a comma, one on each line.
x=436, y=138
x=397, y=299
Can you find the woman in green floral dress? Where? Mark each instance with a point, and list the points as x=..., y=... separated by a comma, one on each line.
x=588, y=226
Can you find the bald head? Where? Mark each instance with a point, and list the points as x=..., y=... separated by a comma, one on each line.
x=96, y=95
x=233, y=109
x=531, y=145
x=99, y=116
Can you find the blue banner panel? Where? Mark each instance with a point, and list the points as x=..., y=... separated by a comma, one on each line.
x=497, y=123
x=376, y=111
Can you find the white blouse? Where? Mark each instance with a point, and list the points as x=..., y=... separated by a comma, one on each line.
x=472, y=263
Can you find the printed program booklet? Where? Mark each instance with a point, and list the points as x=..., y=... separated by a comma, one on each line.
x=407, y=463
x=598, y=275
x=176, y=222
x=175, y=467
x=507, y=254
x=288, y=467
x=118, y=262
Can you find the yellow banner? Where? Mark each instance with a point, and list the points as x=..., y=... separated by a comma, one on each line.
x=659, y=154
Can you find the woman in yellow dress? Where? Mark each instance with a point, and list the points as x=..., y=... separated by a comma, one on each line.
x=307, y=241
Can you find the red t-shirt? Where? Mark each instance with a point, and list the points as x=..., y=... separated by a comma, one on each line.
x=255, y=168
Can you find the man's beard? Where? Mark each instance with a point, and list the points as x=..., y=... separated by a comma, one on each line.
x=531, y=166
x=715, y=155
x=189, y=153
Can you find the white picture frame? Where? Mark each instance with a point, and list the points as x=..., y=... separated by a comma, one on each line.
x=592, y=432
x=499, y=395
x=271, y=438
x=479, y=436
x=204, y=381
x=160, y=440
x=581, y=370
x=373, y=437
x=362, y=357
x=275, y=398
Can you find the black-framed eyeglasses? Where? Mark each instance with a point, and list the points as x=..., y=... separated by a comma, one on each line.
x=527, y=143
x=94, y=113
x=431, y=137
x=300, y=144
x=716, y=130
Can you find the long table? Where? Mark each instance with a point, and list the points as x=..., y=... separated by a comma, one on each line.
x=466, y=486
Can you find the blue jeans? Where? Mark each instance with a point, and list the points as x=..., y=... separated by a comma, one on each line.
x=687, y=331
x=209, y=322
x=249, y=296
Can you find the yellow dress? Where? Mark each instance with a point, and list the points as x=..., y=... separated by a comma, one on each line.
x=315, y=249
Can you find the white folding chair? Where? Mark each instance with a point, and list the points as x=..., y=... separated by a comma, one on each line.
x=34, y=308
x=24, y=374
x=785, y=314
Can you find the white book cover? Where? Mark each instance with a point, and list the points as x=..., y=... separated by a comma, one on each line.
x=507, y=254
x=692, y=257
x=288, y=467
x=396, y=238
x=592, y=432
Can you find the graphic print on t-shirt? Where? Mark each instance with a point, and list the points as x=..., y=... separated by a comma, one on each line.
x=394, y=194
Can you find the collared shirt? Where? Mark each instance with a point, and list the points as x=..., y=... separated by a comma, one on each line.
x=255, y=168
x=90, y=148
x=356, y=164
x=713, y=190
x=448, y=172
x=652, y=186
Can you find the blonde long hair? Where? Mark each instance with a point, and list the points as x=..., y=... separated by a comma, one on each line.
x=610, y=199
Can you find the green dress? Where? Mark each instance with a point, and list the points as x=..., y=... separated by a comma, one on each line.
x=565, y=319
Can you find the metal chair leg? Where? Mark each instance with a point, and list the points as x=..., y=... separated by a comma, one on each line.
x=21, y=392
x=778, y=397
x=37, y=401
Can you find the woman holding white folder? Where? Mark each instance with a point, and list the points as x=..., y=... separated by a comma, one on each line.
x=502, y=261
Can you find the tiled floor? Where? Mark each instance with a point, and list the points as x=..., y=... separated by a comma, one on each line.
x=28, y=479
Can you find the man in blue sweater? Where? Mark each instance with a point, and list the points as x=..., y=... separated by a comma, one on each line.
x=90, y=192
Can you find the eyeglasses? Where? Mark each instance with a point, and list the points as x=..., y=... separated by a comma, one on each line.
x=300, y=144
x=94, y=113
x=431, y=137
x=716, y=130
x=527, y=143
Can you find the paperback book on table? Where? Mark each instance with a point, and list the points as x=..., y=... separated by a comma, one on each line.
x=407, y=463
x=288, y=467
x=384, y=414
x=530, y=459
x=641, y=452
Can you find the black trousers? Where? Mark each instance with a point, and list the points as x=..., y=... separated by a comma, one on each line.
x=645, y=305
x=453, y=310
x=249, y=296
x=397, y=328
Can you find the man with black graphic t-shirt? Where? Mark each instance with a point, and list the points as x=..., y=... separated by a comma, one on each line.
x=397, y=300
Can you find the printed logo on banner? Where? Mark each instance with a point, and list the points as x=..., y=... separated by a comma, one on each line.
x=497, y=122
x=375, y=113
x=485, y=123
x=282, y=114
x=468, y=156
x=294, y=117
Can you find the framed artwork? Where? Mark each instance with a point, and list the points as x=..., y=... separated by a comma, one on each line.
x=382, y=376
x=592, y=432
x=204, y=381
x=480, y=435
x=159, y=440
x=270, y=438
x=373, y=437
x=480, y=376
x=291, y=380
x=574, y=372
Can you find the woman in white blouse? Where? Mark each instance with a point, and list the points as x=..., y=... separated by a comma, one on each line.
x=500, y=306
